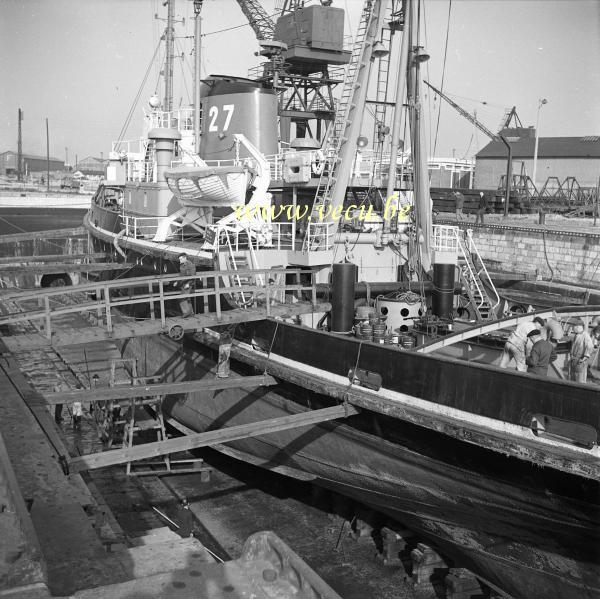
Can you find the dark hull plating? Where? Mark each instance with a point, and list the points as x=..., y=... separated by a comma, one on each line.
x=533, y=532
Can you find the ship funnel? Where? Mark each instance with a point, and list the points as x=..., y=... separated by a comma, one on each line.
x=164, y=145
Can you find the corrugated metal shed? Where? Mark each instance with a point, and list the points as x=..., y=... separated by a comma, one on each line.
x=549, y=147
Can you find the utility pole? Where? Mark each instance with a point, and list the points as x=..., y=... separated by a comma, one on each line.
x=47, y=157
x=20, y=149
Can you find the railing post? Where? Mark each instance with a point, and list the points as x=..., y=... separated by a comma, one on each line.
x=47, y=311
x=218, y=297
x=161, y=295
x=268, y=298
x=314, y=289
x=107, y=308
x=151, y=299
x=99, y=308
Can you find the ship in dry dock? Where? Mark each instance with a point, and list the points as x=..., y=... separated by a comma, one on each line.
x=496, y=468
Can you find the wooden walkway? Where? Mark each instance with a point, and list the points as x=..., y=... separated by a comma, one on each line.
x=262, y=297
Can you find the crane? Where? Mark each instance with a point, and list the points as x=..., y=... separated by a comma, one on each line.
x=492, y=136
x=464, y=113
x=259, y=20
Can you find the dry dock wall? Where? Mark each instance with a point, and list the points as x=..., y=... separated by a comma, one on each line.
x=567, y=256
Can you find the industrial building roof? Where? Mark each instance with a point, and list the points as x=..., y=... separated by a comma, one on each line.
x=548, y=147
x=32, y=156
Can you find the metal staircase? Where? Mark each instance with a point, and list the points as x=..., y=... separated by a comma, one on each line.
x=479, y=288
x=340, y=133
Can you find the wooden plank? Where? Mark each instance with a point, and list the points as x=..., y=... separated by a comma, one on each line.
x=233, y=433
x=50, y=234
x=51, y=257
x=76, y=336
x=44, y=269
x=110, y=393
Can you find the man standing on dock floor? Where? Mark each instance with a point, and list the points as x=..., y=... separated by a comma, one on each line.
x=459, y=202
x=482, y=208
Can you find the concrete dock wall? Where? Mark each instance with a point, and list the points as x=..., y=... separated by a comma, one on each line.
x=572, y=257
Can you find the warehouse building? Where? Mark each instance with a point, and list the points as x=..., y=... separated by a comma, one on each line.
x=31, y=164
x=92, y=166
x=559, y=157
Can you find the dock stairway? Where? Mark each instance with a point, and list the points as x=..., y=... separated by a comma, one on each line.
x=480, y=291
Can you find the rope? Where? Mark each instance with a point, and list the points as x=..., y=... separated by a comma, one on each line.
x=137, y=97
x=437, y=127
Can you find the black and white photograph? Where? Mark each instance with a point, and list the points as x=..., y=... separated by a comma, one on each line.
x=299, y=299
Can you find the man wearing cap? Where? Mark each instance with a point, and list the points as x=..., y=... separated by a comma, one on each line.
x=581, y=350
x=516, y=345
x=542, y=354
x=459, y=202
x=481, y=208
x=188, y=268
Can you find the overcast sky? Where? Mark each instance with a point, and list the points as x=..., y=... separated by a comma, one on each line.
x=80, y=63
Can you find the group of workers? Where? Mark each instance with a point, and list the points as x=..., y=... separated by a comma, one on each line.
x=482, y=206
x=532, y=345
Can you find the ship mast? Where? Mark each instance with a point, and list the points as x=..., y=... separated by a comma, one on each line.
x=422, y=200
x=197, y=80
x=170, y=43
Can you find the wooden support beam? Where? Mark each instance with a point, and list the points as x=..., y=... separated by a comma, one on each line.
x=110, y=393
x=51, y=258
x=45, y=269
x=226, y=435
x=50, y=234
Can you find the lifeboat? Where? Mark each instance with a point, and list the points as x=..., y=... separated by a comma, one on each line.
x=210, y=185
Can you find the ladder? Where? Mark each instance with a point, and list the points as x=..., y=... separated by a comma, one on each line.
x=145, y=414
x=479, y=288
x=235, y=259
x=335, y=139
x=383, y=74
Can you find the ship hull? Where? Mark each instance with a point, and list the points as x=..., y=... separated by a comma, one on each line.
x=531, y=531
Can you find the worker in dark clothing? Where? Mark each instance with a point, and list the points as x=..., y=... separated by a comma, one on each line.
x=482, y=207
x=459, y=202
x=543, y=353
x=187, y=268
x=185, y=520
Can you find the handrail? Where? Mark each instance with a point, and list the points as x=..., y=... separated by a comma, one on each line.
x=105, y=301
x=472, y=247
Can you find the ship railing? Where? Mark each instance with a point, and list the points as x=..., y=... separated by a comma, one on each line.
x=483, y=273
x=272, y=236
x=140, y=227
x=159, y=292
x=276, y=163
x=181, y=119
x=129, y=146
x=445, y=238
x=320, y=235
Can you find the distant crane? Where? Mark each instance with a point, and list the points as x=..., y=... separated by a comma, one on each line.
x=492, y=136
x=261, y=23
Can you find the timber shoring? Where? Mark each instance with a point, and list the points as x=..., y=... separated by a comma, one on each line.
x=134, y=391
x=225, y=435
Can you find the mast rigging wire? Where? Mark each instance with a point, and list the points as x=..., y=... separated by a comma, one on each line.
x=437, y=127
x=136, y=99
